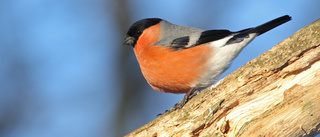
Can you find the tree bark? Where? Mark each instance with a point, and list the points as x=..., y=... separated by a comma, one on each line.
x=276, y=94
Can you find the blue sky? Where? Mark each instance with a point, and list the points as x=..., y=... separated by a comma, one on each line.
x=58, y=73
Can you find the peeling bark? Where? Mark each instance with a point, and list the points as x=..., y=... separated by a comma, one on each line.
x=276, y=94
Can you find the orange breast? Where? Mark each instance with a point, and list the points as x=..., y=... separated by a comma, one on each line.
x=167, y=70
x=173, y=71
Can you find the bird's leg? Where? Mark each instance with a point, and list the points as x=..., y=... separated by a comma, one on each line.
x=191, y=93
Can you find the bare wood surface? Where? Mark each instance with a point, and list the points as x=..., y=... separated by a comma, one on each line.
x=276, y=94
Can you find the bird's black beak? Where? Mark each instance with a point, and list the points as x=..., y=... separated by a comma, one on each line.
x=129, y=41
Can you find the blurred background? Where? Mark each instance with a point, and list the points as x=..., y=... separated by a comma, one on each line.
x=65, y=73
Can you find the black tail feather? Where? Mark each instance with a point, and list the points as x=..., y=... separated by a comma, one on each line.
x=270, y=25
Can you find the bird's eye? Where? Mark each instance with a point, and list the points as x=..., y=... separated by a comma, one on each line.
x=139, y=32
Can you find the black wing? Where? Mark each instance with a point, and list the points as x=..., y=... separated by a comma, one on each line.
x=205, y=37
x=212, y=35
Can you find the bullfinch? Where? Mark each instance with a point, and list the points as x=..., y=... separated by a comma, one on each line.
x=179, y=59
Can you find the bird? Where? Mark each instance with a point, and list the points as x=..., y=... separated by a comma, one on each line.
x=185, y=60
